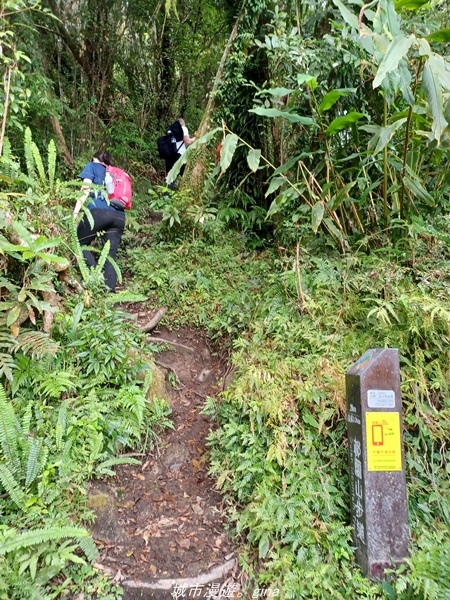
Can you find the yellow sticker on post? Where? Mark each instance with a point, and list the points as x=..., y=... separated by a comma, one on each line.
x=383, y=438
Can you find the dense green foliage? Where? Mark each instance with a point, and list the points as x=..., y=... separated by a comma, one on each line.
x=317, y=230
x=75, y=390
x=295, y=322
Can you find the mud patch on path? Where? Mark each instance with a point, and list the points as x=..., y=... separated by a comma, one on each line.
x=162, y=523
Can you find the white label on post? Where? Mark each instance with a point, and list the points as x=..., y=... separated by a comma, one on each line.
x=381, y=398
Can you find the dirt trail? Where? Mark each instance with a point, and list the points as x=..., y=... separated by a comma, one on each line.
x=160, y=525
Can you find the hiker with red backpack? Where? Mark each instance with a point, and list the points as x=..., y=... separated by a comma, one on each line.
x=107, y=208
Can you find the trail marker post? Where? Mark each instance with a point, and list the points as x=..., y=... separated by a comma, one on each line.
x=376, y=460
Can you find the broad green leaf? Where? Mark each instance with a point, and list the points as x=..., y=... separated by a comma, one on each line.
x=23, y=233
x=274, y=113
x=309, y=419
x=349, y=17
x=409, y=4
x=253, y=158
x=275, y=183
x=332, y=97
x=310, y=80
x=317, y=215
x=398, y=48
x=433, y=92
x=53, y=258
x=443, y=35
x=343, y=122
x=13, y=315
x=278, y=203
x=227, y=151
x=415, y=187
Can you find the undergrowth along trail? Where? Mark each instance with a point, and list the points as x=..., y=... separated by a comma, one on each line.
x=294, y=321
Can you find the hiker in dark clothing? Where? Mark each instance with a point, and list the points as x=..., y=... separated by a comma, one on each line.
x=109, y=220
x=183, y=140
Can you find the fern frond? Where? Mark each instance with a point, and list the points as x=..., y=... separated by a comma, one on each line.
x=22, y=373
x=61, y=425
x=33, y=464
x=84, y=270
x=9, y=437
x=102, y=258
x=7, y=341
x=148, y=380
x=25, y=539
x=26, y=420
x=27, y=148
x=89, y=548
x=6, y=365
x=65, y=463
x=55, y=383
x=36, y=343
x=116, y=268
x=39, y=163
x=7, y=155
x=12, y=487
x=51, y=163
x=125, y=296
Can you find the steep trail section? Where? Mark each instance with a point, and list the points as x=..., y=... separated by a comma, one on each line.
x=160, y=526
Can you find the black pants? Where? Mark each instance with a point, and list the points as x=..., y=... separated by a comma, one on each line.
x=169, y=164
x=109, y=223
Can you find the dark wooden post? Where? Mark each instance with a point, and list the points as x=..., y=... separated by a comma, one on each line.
x=376, y=459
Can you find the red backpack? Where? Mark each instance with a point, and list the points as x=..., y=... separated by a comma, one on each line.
x=122, y=187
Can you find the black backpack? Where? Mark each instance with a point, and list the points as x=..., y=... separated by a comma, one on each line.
x=169, y=144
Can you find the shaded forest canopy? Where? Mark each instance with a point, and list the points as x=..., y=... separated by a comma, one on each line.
x=310, y=223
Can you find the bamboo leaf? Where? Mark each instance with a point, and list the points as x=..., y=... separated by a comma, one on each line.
x=317, y=213
x=274, y=113
x=384, y=135
x=287, y=165
x=416, y=188
x=349, y=17
x=433, y=92
x=342, y=195
x=343, y=122
x=253, y=158
x=397, y=50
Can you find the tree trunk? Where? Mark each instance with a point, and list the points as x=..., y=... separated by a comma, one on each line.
x=66, y=155
x=196, y=170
